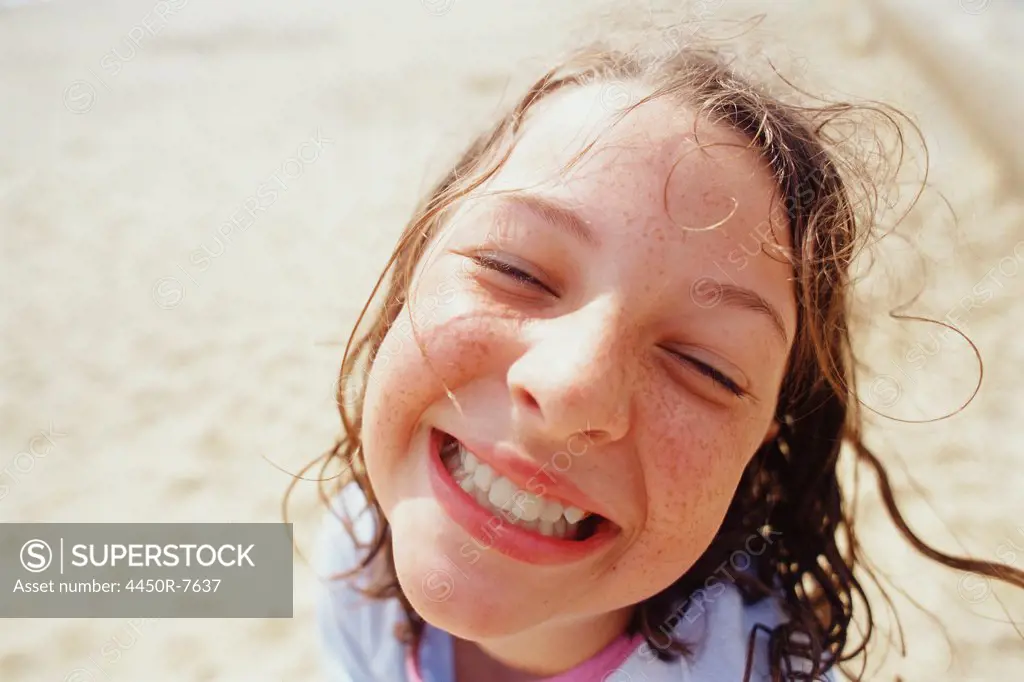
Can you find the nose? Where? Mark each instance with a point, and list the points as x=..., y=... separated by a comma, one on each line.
x=573, y=377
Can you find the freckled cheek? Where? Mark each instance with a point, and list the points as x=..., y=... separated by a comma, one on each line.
x=691, y=478
x=433, y=344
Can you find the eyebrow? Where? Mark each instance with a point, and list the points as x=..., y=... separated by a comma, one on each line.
x=556, y=213
x=748, y=299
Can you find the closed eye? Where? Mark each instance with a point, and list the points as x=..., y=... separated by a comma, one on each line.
x=712, y=373
x=491, y=263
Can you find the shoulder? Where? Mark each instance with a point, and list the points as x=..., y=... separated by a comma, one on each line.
x=356, y=632
x=717, y=626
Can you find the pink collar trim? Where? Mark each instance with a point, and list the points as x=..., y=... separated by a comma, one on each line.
x=602, y=663
x=412, y=666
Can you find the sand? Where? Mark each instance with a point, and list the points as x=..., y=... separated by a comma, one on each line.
x=170, y=382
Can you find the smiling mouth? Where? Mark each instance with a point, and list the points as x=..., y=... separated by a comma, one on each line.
x=500, y=496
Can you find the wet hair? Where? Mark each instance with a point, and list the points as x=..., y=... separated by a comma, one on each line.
x=790, y=490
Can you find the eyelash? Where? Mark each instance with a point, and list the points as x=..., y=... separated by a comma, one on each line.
x=491, y=263
x=713, y=374
x=512, y=271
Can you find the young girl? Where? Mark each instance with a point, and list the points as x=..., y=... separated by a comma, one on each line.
x=594, y=430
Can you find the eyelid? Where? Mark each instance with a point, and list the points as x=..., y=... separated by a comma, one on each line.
x=730, y=383
x=498, y=262
x=526, y=238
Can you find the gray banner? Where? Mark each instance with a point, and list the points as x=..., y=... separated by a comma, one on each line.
x=154, y=570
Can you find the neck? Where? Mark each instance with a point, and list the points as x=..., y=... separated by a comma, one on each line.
x=546, y=650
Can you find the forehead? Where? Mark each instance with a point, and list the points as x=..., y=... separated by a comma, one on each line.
x=658, y=163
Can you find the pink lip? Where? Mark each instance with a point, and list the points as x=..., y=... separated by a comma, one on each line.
x=491, y=530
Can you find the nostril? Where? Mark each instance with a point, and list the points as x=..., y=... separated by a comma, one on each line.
x=526, y=398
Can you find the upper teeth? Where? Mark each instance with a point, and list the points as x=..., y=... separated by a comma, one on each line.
x=476, y=477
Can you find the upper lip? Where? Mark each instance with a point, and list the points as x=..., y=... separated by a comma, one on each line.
x=531, y=474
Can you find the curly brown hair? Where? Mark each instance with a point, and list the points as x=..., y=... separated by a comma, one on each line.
x=791, y=486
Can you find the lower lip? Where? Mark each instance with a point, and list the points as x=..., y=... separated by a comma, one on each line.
x=491, y=531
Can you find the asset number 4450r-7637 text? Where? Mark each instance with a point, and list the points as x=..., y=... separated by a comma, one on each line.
x=173, y=585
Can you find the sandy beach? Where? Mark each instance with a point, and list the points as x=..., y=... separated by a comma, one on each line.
x=164, y=380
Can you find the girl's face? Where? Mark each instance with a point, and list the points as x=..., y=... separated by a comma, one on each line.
x=601, y=352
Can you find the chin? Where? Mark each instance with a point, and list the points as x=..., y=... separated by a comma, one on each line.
x=470, y=594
